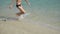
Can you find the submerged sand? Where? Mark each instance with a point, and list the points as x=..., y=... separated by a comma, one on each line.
x=20, y=27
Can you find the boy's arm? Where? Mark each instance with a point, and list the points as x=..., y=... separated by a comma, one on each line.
x=11, y=4
x=27, y=2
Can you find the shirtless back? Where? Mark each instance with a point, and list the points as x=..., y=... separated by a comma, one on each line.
x=18, y=1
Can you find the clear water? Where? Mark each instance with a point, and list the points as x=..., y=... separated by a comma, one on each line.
x=42, y=11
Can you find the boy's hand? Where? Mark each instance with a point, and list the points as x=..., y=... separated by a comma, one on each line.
x=29, y=5
x=10, y=7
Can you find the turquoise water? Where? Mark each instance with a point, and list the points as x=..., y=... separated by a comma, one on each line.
x=45, y=11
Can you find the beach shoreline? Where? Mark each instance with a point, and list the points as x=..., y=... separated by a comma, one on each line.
x=20, y=27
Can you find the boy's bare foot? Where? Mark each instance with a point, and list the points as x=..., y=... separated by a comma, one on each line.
x=17, y=14
x=20, y=16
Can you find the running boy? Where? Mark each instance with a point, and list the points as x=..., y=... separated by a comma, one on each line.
x=19, y=6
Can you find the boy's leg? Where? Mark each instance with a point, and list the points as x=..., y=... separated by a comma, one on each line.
x=22, y=11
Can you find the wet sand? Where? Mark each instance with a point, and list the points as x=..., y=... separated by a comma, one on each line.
x=20, y=27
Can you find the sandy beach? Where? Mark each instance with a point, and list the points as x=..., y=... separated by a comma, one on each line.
x=43, y=17
x=20, y=27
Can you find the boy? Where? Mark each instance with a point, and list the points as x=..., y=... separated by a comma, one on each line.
x=20, y=7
